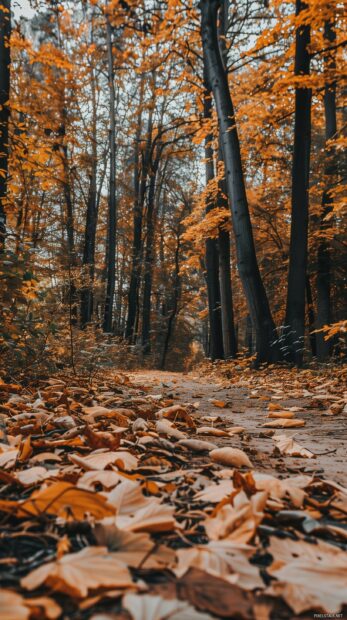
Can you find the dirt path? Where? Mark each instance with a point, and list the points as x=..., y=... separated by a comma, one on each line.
x=325, y=436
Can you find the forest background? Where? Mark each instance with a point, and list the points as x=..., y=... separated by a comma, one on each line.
x=121, y=158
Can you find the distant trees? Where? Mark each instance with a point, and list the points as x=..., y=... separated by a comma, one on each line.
x=166, y=179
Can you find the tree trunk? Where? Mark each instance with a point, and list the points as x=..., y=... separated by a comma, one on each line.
x=176, y=293
x=324, y=317
x=112, y=205
x=228, y=324
x=88, y=259
x=211, y=254
x=149, y=259
x=246, y=258
x=140, y=184
x=295, y=309
x=5, y=61
x=310, y=315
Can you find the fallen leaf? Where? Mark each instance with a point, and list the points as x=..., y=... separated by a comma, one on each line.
x=286, y=445
x=237, y=521
x=12, y=606
x=197, y=445
x=149, y=607
x=223, y=559
x=309, y=576
x=208, y=593
x=64, y=500
x=231, y=457
x=284, y=424
x=77, y=573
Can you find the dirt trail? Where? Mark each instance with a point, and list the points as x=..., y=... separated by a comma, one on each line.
x=325, y=436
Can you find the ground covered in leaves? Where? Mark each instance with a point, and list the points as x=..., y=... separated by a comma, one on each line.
x=212, y=495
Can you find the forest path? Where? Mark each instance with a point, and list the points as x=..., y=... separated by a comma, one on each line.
x=324, y=435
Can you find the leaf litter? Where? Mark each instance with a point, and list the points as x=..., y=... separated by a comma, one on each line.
x=113, y=507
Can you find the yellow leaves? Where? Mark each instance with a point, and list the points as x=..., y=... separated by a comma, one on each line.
x=78, y=573
x=61, y=499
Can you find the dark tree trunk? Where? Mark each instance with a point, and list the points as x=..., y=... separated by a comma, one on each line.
x=140, y=184
x=88, y=259
x=324, y=314
x=112, y=205
x=295, y=309
x=176, y=293
x=211, y=254
x=226, y=296
x=89, y=251
x=246, y=257
x=5, y=61
x=149, y=260
x=311, y=317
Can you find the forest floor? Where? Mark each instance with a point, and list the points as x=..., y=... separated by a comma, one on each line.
x=147, y=495
x=324, y=435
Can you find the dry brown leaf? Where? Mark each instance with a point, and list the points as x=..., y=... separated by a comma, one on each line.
x=310, y=576
x=210, y=430
x=77, y=573
x=12, y=606
x=218, y=403
x=149, y=607
x=8, y=456
x=209, y=593
x=98, y=440
x=134, y=549
x=99, y=460
x=108, y=479
x=224, y=559
x=64, y=500
x=286, y=445
x=237, y=522
x=165, y=427
x=281, y=414
x=233, y=457
x=27, y=477
x=293, y=487
x=215, y=493
x=197, y=445
x=284, y=424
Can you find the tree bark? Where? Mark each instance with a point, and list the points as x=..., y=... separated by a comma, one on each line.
x=149, y=259
x=112, y=205
x=5, y=62
x=324, y=314
x=88, y=260
x=246, y=257
x=226, y=295
x=140, y=185
x=295, y=308
x=211, y=254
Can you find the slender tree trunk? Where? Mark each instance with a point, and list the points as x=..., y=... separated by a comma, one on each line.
x=246, y=257
x=176, y=293
x=295, y=309
x=88, y=259
x=311, y=317
x=324, y=314
x=228, y=324
x=211, y=254
x=148, y=260
x=5, y=61
x=140, y=184
x=112, y=205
